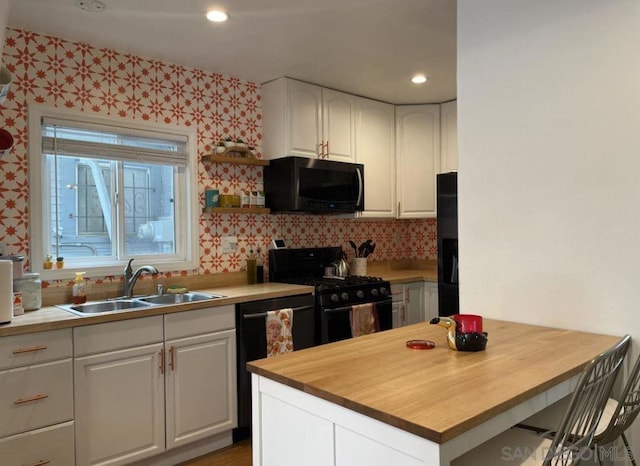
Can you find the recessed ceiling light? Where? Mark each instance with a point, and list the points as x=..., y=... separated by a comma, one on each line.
x=217, y=16
x=419, y=79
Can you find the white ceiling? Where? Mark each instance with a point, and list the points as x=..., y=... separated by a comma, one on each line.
x=366, y=47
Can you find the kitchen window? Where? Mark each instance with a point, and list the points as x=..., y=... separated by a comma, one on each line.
x=104, y=192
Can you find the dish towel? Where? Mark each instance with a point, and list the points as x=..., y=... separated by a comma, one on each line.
x=279, y=337
x=364, y=319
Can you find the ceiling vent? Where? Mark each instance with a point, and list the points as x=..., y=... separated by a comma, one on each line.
x=91, y=5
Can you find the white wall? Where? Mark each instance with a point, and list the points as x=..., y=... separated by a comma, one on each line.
x=549, y=162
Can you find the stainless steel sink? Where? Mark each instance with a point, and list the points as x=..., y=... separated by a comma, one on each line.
x=126, y=304
x=179, y=298
x=101, y=307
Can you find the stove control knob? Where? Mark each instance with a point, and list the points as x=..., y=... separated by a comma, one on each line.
x=374, y=292
x=384, y=291
x=345, y=296
x=360, y=294
x=334, y=298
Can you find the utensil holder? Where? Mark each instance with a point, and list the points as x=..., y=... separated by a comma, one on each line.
x=359, y=266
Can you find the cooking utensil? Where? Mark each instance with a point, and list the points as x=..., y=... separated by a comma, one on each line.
x=355, y=249
x=363, y=247
x=370, y=249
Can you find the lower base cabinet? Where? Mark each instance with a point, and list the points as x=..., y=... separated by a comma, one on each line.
x=53, y=446
x=200, y=387
x=119, y=398
x=145, y=386
x=414, y=302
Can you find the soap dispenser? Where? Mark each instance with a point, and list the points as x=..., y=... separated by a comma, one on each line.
x=79, y=294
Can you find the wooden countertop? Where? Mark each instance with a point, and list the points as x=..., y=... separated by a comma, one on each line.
x=427, y=272
x=436, y=394
x=51, y=318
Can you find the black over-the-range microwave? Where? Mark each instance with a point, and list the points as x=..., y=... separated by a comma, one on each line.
x=299, y=184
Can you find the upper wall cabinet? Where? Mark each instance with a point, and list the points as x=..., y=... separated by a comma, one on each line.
x=307, y=120
x=375, y=148
x=417, y=159
x=449, y=137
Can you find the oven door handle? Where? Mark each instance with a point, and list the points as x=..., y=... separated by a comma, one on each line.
x=348, y=308
x=264, y=314
x=360, y=187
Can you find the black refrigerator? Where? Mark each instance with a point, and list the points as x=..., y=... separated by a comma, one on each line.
x=447, y=228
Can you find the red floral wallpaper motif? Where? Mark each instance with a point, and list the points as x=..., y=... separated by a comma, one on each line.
x=61, y=73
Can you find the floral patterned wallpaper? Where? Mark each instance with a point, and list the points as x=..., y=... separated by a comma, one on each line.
x=60, y=73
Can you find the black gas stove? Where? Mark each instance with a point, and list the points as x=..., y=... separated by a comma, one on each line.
x=346, y=291
x=306, y=267
x=334, y=296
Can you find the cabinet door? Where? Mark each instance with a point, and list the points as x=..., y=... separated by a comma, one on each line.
x=431, y=300
x=414, y=302
x=119, y=406
x=397, y=313
x=338, y=125
x=304, y=117
x=449, y=137
x=375, y=148
x=200, y=387
x=418, y=159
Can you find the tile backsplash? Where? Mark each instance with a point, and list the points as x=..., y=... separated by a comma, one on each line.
x=103, y=82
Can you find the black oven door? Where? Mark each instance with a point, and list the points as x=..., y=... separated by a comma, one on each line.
x=335, y=323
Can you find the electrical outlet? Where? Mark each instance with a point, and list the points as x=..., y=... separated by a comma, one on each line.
x=229, y=244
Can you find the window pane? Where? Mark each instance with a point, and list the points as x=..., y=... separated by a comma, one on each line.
x=80, y=207
x=91, y=219
x=149, y=209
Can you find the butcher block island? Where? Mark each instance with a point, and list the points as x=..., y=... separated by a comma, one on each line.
x=372, y=401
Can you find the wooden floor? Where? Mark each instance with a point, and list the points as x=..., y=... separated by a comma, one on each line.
x=238, y=454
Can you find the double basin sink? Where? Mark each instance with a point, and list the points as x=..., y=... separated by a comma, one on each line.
x=130, y=304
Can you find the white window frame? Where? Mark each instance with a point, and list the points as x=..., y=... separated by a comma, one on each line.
x=186, y=194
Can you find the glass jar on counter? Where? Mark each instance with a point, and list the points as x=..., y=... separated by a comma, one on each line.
x=31, y=287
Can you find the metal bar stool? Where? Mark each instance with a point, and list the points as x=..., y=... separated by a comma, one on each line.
x=619, y=415
x=573, y=439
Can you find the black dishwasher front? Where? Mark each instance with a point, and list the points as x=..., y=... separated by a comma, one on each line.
x=251, y=344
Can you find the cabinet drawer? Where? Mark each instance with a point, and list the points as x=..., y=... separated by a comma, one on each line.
x=35, y=396
x=200, y=321
x=53, y=446
x=34, y=348
x=113, y=336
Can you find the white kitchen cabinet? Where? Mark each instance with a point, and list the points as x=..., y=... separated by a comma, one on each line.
x=201, y=377
x=375, y=148
x=52, y=445
x=414, y=302
x=307, y=120
x=449, y=137
x=417, y=159
x=339, y=125
x=148, y=385
x=36, y=399
x=397, y=306
x=119, y=392
x=430, y=300
x=408, y=304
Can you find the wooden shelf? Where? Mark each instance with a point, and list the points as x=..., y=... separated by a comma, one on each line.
x=236, y=156
x=235, y=210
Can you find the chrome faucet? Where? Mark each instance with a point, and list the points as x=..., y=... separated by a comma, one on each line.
x=131, y=277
